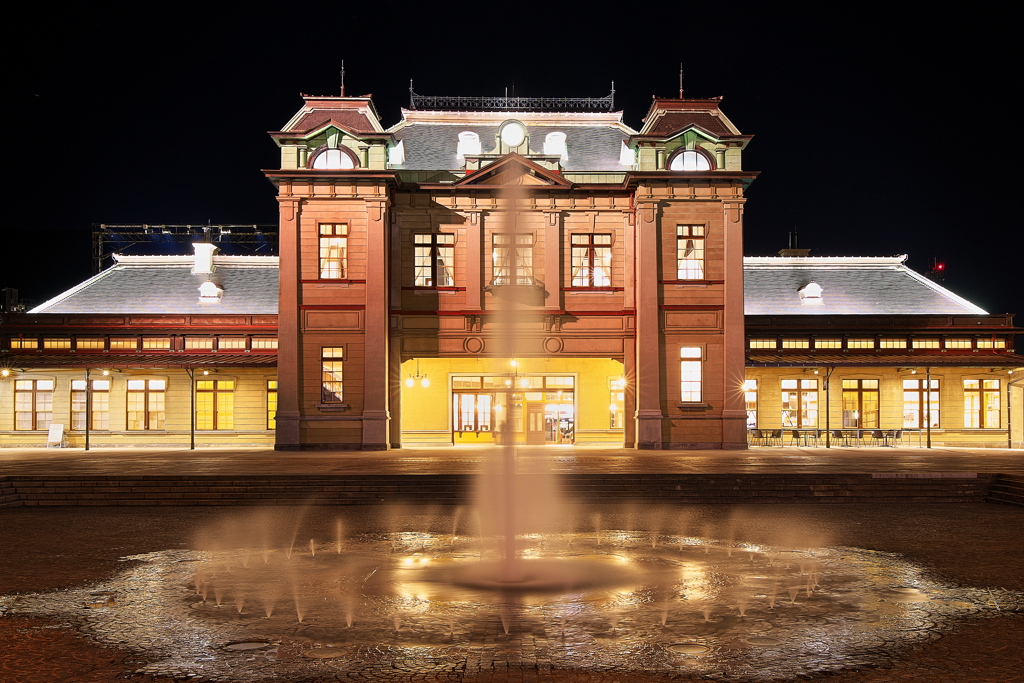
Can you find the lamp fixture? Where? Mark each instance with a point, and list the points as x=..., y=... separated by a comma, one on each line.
x=411, y=380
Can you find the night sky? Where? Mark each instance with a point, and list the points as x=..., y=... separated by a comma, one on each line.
x=876, y=133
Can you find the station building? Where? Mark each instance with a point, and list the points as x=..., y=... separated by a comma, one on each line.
x=521, y=261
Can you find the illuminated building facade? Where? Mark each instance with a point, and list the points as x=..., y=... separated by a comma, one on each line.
x=380, y=324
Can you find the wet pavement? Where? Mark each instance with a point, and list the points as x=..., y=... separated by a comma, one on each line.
x=957, y=554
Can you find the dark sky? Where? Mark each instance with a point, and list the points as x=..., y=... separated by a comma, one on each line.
x=876, y=132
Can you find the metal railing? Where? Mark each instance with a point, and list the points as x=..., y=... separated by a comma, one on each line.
x=513, y=103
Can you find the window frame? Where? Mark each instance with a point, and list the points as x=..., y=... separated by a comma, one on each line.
x=38, y=400
x=927, y=403
x=805, y=390
x=272, y=389
x=517, y=257
x=332, y=385
x=856, y=395
x=691, y=374
x=589, y=250
x=328, y=263
x=221, y=404
x=691, y=269
x=977, y=413
x=99, y=419
x=154, y=405
x=681, y=154
x=440, y=256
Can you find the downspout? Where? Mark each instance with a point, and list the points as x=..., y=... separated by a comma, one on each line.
x=928, y=406
x=828, y=405
x=88, y=407
x=192, y=409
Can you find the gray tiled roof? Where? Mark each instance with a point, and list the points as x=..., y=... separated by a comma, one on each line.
x=165, y=284
x=850, y=286
x=433, y=146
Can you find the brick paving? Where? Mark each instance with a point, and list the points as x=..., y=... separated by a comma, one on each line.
x=975, y=545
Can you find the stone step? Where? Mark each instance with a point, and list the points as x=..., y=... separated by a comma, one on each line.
x=1007, y=489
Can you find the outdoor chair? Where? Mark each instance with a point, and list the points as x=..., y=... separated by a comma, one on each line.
x=840, y=438
x=878, y=437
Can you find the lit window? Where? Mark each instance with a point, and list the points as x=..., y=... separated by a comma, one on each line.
x=100, y=404
x=215, y=404
x=57, y=343
x=762, y=343
x=690, y=160
x=469, y=144
x=331, y=362
x=554, y=145
x=199, y=342
x=750, y=399
x=33, y=404
x=981, y=403
x=860, y=403
x=591, y=260
x=860, y=343
x=124, y=343
x=264, y=342
x=616, y=406
x=690, y=252
x=21, y=343
x=996, y=343
x=690, y=380
x=920, y=403
x=89, y=343
x=433, y=258
x=828, y=343
x=333, y=159
x=958, y=343
x=799, y=403
x=333, y=250
x=230, y=343
x=146, y=403
x=473, y=412
x=796, y=343
x=272, y=404
x=512, y=259
x=892, y=343
x=512, y=133
x=156, y=342
x=925, y=343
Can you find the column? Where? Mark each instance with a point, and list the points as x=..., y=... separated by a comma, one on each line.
x=289, y=326
x=377, y=375
x=734, y=415
x=648, y=328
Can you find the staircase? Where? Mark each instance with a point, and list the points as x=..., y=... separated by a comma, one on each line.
x=457, y=489
x=1007, y=488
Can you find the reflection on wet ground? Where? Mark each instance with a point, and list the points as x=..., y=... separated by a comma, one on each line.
x=380, y=605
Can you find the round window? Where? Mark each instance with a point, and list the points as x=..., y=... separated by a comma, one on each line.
x=513, y=134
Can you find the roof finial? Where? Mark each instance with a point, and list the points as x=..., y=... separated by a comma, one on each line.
x=412, y=98
x=680, y=80
x=611, y=97
x=343, y=78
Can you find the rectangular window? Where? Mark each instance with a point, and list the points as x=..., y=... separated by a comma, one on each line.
x=264, y=342
x=156, y=342
x=690, y=252
x=958, y=343
x=433, y=260
x=100, y=404
x=33, y=404
x=617, y=405
x=690, y=380
x=215, y=404
x=333, y=250
x=982, y=343
x=799, y=403
x=860, y=343
x=512, y=259
x=89, y=343
x=750, y=398
x=21, y=343
x=892, y=343
x=828, y=343
x=796, y=343
x=981, y=403
x=925, y=343
x=860, y=403
x=272, y=404
x=920, y=403
x=591, y=260
x=200, y=342
x=124, y=343
x=331, y=358
x=230, y=343
x=762, y=343
x=146, y=403
x=473, y=412
x=57, y=343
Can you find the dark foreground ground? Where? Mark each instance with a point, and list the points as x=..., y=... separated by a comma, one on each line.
x=979, y=545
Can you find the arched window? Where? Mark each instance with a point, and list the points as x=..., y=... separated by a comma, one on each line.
x=469, y=144
x=333, y=159
x=689, y=160
x=554, y=145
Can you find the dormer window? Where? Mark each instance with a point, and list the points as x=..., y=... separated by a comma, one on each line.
x=469, y=144
x=810, y=294
x=627, y=157
x=209, y=293
x=554, y=145
x=396, y=155
x=332, y=159
x=690, y=160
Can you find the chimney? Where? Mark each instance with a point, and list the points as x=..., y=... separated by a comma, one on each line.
x=204, y=258
x=793, y=250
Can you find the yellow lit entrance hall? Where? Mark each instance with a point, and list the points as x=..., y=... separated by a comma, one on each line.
x=546, y=401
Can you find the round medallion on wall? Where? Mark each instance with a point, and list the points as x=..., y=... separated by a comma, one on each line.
x=553, y=345
x=473, y=345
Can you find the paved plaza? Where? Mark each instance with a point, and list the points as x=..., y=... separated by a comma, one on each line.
x=974, y=548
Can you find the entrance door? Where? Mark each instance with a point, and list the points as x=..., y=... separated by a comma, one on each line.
x=535, y=427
